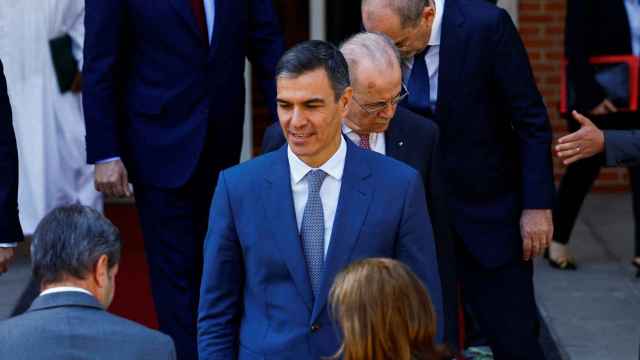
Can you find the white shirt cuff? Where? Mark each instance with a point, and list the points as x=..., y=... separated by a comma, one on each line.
x=108, y=160
x=8, y=245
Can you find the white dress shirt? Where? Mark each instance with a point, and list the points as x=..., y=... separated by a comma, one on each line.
x=432, y=57
x=633, y=13
x=60, y=289
x=329, y=192
x=376, y=140
x=210, y=15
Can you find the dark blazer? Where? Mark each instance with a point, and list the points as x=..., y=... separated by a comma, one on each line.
x=622, y=148
x=256, y=300
x=593, y=27
x=153, y=89
x=73, y=325
x=10, y=230
x=413, y=140
x=495, y=136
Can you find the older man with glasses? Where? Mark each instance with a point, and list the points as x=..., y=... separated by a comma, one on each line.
x=375, y=122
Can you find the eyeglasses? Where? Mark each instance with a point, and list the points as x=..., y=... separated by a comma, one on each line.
x=376, y=107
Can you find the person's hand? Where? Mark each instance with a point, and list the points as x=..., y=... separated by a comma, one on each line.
x=584, y=143
x=76, y=85
x=112, y=179
x=6, y=255
x=536, y=228
x=604, y=108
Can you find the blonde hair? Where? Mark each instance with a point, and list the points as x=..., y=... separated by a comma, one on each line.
x=384, y=312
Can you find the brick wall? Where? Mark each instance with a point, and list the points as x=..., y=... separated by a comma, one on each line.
x=541, y=25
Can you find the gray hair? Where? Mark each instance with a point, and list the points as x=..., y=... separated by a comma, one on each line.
x=409, y=11
x=371, y=48
x=312, y=55
x=69, y=241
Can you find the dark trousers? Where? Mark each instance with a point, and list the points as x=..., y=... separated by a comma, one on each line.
x=503, y=303
x=577, y=182
x=174, y=224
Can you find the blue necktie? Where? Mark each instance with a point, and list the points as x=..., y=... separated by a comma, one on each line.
x=418, y=86
x=312, y=229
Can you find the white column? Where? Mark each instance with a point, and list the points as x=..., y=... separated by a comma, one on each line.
x=247, y=132
x=512, y=8
x=317, y=19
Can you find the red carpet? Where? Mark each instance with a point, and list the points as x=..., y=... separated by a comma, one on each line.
x=133, y=290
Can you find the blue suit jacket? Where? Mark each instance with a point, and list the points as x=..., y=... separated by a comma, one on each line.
x=10, y=230
x=256, y=300
x=414, y=140
x=153, y=89
x=73, y=325
x=495, y=135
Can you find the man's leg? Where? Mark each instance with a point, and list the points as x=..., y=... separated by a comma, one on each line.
x=174, y=224
x=503, y=303
x=634, y=174
x=574, y=186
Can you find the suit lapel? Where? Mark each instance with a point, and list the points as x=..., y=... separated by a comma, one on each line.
x=353, y=203
x=279, y=210
x=395, y=141
x=186, y=13
x=452, y=55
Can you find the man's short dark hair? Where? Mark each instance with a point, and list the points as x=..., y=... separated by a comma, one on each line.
x=312, y=55
x=69, y=241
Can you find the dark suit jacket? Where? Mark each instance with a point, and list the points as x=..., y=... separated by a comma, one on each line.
x=256, y=300
x=73, y=325
x=622, y=148
x=413, y=140
x=10, y=230
x=495, y=135
x=154, y=90
x=593, y=27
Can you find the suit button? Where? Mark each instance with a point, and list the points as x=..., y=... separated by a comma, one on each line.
x=315, y=327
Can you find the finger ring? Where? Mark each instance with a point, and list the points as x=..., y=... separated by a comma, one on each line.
x=577, y=148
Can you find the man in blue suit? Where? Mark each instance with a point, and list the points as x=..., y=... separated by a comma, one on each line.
x=399, y=133
x=10, y=231
x=466, y=66
x=282, y=225
x=164, y=100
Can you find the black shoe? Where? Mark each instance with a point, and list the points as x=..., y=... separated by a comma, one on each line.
x=567, y=263
x=636, y=264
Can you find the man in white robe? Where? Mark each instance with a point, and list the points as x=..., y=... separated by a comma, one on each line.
x=49, y=124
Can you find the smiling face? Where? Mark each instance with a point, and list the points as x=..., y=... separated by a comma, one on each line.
x=410, y=39
x=310, y=116
x=371, y=91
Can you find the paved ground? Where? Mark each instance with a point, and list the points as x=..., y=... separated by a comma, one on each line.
x=594, y=313
x=591, y=314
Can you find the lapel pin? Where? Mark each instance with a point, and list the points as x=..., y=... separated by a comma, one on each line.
x=400, y=143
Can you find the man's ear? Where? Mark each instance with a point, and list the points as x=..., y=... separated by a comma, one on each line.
x=345, y=100
x=101, y=271
x=428, y=13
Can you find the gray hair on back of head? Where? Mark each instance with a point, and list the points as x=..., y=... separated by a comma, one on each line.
x=372, y=48
x=409, y=11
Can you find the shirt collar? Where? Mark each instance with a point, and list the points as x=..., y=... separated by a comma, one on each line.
x=59, y=289
x=436, y=27
x=334, y=167
x=345, y=129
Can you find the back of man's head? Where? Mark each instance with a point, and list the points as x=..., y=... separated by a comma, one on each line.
x=373, y=49
x=68, y=243
x=312, y=55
